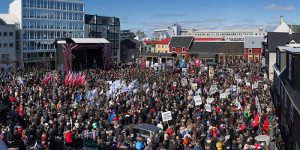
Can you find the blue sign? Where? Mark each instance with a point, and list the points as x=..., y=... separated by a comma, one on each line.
x=181, y=64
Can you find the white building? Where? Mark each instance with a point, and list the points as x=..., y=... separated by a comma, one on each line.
x=161, y=34
x=9, y=42
x=41, y=22
x=227, y=35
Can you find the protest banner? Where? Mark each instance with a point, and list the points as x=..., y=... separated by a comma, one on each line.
x=207, y=107
x=210, y=100
x=198, y=100
x=166, y=116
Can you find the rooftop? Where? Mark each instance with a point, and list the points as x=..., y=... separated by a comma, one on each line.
x=181, y=41
x=9, y=19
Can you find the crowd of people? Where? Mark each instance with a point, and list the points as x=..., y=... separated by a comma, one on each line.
x=38, y=115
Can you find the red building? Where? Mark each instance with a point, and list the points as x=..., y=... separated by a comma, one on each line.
x=181, y=45
x=253, y=48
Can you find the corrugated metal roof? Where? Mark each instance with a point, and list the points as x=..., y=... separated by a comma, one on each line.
x=217, y=47
x=181, y=41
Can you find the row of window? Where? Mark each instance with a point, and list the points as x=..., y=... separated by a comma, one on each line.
x=5, y=45
x=7, y=34
x=224, y=33
x=44, y=14
x=37, y=24
x=53, y=5
x=44, y=35
x=183, y=49
x=5, y=57
x=162, y=46
x=32, y=56
x=36, y=45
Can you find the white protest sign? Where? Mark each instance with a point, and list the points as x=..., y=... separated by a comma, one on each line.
x=223, y=95
x=198, y=100
x=199, y=92
x=265, y=86
x=174, y=84
x=207, y=107
x=109, y=82
x=210, y=100
x=265, y=75
x=184, y=69
x=248, y=84
x=191, y=92
x=234, y=88
x=184, y=82
x=166, y=116
x=147, y=64
x=256, y=85
x=194, y=86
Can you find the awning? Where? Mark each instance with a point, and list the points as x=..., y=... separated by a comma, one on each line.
x=89, y=40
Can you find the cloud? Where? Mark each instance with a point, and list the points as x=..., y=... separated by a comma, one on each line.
x=277, y=7
x=233, y=26
x=167, y=15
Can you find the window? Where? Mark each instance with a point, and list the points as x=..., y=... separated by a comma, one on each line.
x=183, y=49
x=11, y=45
x=158, y=46
x=0, y=45
x=4, y=33
x=250, y=50
x=173, y=49
x=11, y=34
x=5, y=57
x=183, y=56
x=292, y=112
x=0, y=33
x=166, y=51
x=5, y=45
x=166, y=46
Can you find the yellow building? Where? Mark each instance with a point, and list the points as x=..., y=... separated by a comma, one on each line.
x=162, y=46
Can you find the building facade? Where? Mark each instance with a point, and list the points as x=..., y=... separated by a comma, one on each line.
x=105, y=27
x=41, y=22
x=162, y=46
x=126, y=34
x=181, y=45
x=286, y=93
x=130, y=50
x=227, y=35
x=161, y=34
x=253, y=48
x=9, y=42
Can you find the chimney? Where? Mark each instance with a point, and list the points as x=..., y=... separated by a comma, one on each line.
x=281, y=19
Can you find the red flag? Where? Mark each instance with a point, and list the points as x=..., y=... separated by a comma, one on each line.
x=256, y=119
x=56, y=79
x=266, y=123
x=243, y=126
x=66, y=79
x=82, y=79
x=70, y=79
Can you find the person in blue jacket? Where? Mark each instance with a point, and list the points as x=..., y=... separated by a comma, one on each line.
x=139, y=145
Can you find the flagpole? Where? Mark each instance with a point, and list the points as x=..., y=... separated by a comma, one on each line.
x=53, y=92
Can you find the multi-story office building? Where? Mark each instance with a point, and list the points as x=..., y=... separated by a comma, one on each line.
x=227, y=35
x=105, y=27
x=126, y=34
x=9, y=42
x=41, y=22
x=161, y=34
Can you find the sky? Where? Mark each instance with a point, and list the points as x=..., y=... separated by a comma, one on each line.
x=148, y=15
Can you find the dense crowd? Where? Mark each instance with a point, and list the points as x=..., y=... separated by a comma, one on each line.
x=32, y=116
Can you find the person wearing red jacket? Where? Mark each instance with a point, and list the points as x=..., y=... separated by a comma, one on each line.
x=69, y=140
